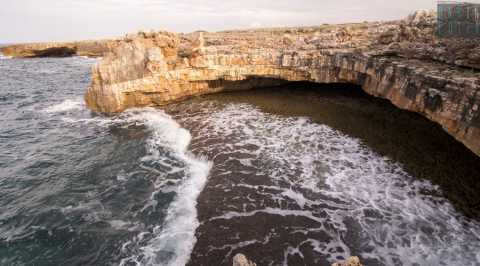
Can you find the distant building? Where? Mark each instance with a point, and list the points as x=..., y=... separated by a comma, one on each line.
x=458, y=19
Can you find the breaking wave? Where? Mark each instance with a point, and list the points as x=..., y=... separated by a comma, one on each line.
x=4, y=57
x=173, y=241
x=170, y=242
x=65, y=106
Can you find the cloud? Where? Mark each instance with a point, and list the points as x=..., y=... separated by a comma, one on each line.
x=33, y=20
x=255, y=24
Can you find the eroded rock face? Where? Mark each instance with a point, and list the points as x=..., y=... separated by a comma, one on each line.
x=401, y=61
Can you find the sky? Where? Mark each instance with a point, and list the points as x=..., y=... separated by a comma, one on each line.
x=65, y=20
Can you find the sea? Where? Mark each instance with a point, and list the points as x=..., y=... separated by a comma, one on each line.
x=299, y=174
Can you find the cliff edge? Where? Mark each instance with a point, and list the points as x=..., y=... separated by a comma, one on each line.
x=402, y=61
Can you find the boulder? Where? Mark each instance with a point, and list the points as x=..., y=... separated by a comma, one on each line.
x=352, y=261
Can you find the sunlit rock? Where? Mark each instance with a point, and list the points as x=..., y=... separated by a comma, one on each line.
x=241, y=260
x=401, y=61
x=352, y=261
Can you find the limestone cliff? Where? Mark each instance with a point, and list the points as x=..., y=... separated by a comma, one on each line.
x=60, y=49
x=401, y=61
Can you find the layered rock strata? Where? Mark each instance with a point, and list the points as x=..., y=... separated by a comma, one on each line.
x=401, y=61
x=60, y=49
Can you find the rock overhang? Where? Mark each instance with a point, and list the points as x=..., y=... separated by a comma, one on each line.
x=401, y=61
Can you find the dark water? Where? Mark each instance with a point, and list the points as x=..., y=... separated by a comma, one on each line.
x=77, y=189
x=292, y=176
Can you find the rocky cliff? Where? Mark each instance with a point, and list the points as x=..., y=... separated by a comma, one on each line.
x=401, y=61
x=61, y=49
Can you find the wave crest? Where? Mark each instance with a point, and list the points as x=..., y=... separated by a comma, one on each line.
x=174, y=240
x=66, y=105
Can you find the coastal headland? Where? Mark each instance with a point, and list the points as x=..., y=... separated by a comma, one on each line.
x=94, y=48
x=402, y=61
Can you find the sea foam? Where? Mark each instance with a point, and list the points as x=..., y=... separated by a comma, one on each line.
x=66, y=105
x=174, y=240
x=4, y=57
x=399, y=224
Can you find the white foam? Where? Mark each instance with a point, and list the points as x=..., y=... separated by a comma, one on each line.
x=274, y=211
x=298, y=197
x=65, y=106
x=4, y=57
x=178, y=232
x=289, y=251
x=122, y=176
x=119, y=224
x=176, y=236
x=233, y=247
x=82, y=58
x=400, y=224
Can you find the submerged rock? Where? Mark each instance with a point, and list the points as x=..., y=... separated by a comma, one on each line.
x=241, y=260
x=352, y=261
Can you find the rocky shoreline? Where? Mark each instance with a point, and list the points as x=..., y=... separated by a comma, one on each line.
x=60, y=49
x=402, y=61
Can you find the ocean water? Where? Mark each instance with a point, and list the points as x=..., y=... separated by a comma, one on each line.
x=76, y=187
x=194, y=183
